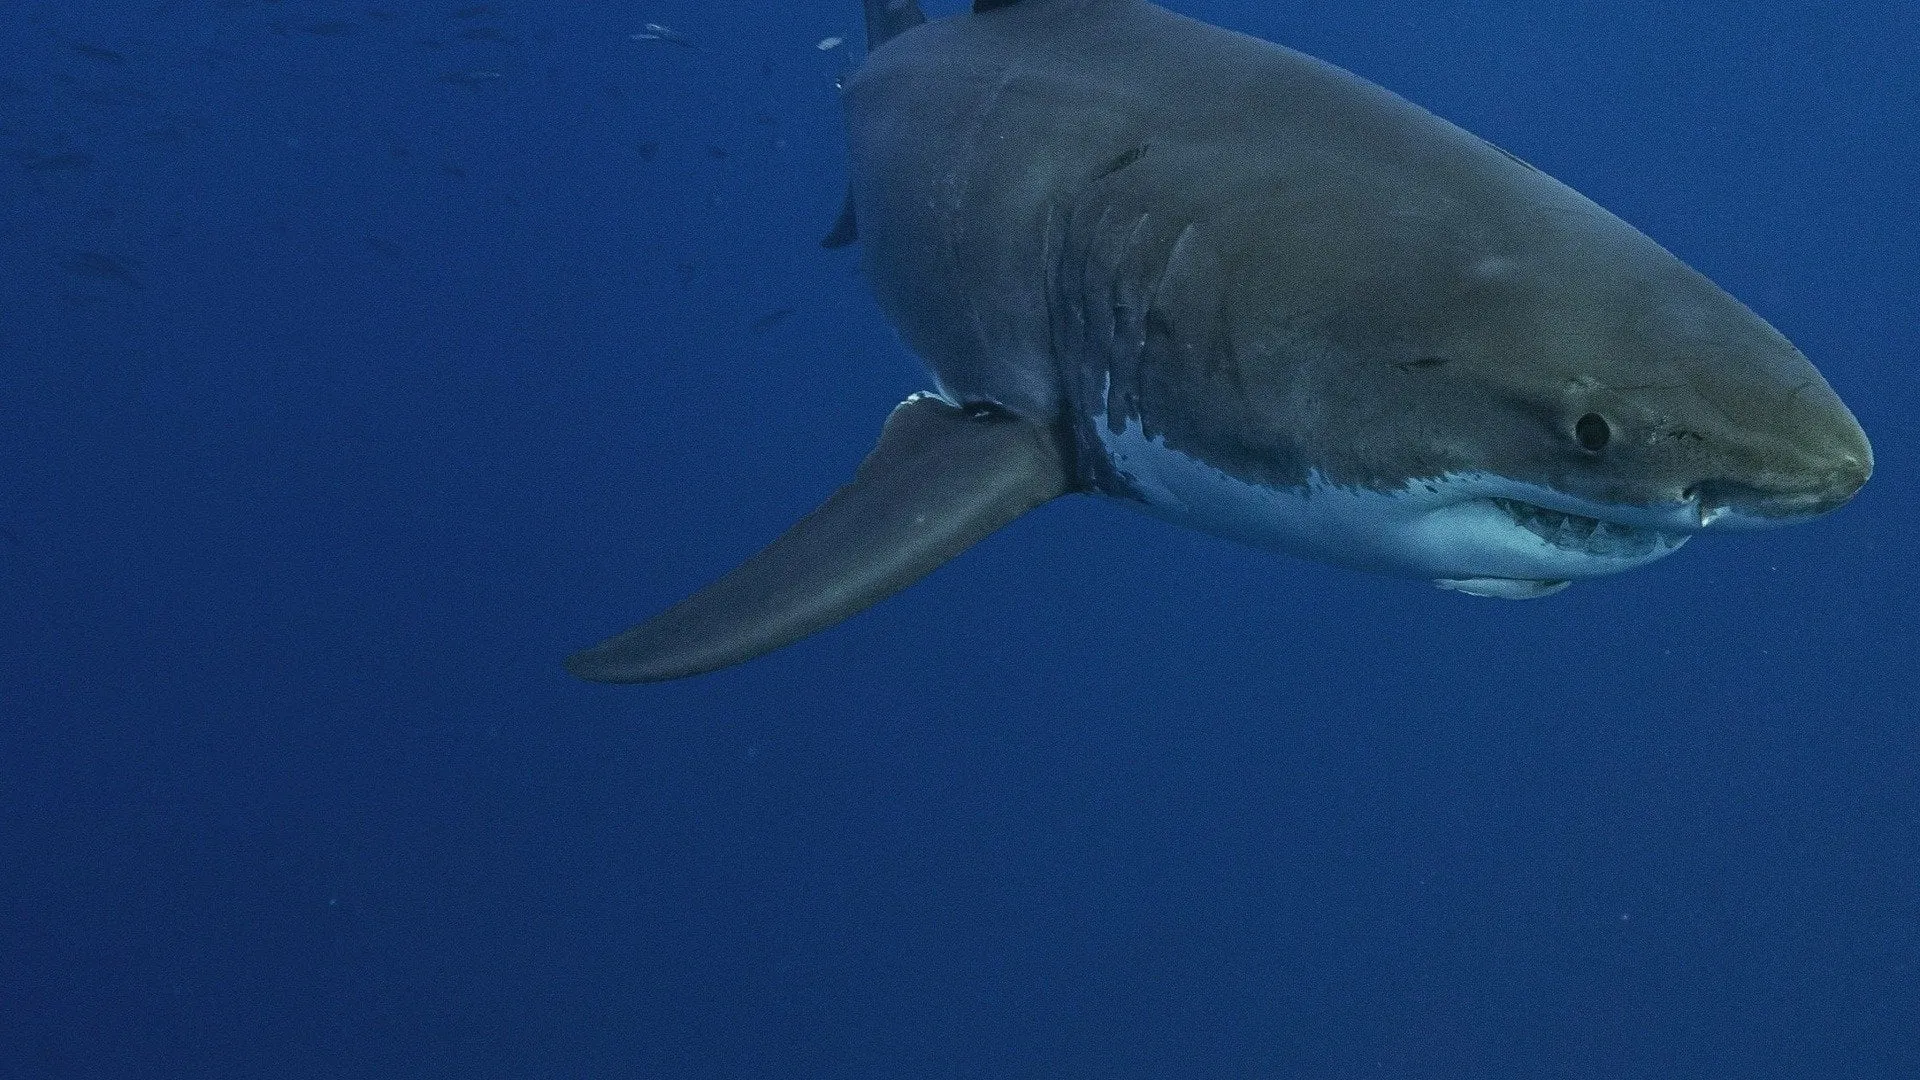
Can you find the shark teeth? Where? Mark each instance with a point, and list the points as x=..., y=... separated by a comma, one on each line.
x=1585, y=534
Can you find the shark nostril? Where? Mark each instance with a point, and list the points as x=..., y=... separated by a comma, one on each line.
x=1852, y=473
x=1844, y=483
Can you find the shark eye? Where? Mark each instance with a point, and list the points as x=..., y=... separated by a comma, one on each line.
x=1592, y=432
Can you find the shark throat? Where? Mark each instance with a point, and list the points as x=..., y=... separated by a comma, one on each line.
x=1478, y=533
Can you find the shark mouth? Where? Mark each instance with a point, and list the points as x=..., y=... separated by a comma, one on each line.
x=1587, y=535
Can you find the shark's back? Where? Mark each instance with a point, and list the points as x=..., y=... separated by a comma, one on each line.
x=970, y=136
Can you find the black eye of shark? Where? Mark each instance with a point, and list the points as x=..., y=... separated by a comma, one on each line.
x=1593, y=433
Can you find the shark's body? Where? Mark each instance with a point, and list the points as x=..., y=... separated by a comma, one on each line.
x=1150, y=258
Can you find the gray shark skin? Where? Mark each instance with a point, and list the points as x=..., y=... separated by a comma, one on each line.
x=1149, y=258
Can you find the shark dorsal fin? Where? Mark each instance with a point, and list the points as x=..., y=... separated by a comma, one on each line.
x=845, y=229
x=888, y=19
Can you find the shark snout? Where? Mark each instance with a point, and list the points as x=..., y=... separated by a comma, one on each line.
x=1821, y=484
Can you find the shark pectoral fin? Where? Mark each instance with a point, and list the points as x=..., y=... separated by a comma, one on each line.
x=940, y=480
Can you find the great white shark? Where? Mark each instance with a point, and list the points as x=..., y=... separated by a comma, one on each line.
x=1153, y=259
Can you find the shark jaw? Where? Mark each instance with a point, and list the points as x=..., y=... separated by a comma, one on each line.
x=1597, y=541
x=1476, y=533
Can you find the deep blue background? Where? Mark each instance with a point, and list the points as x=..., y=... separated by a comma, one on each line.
x=339, y=400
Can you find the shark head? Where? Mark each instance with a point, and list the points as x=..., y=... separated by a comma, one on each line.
x=1499, y=390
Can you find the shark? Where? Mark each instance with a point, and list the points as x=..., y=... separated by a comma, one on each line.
x=1156, y=260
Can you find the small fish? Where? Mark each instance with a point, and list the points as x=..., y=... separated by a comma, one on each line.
x=111, y=97
x=95, y=52
x=472, y=78
x=656, y=32
x=167, y=136
x=93, y=264
x=770, y=320
x=649, y=150
x=64, y=161
x=830, y=44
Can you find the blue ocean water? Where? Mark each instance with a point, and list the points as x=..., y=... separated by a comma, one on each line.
x=359, y=360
